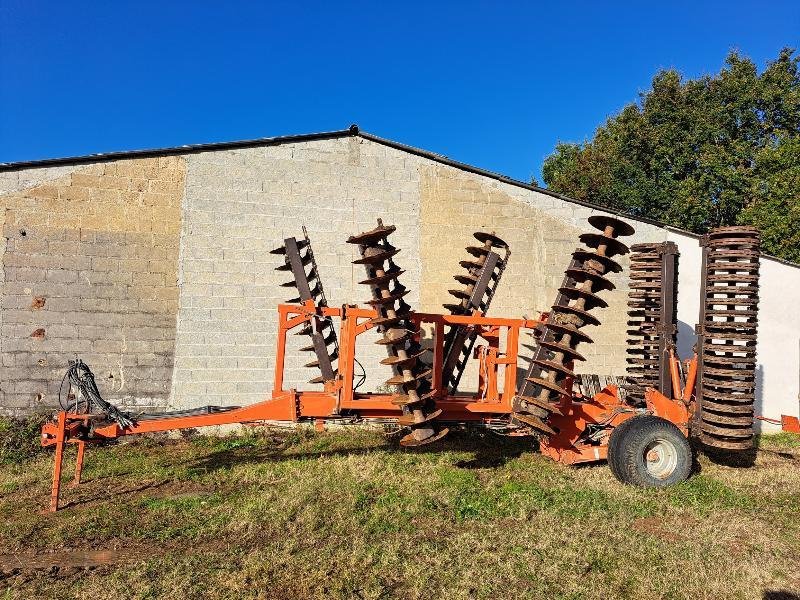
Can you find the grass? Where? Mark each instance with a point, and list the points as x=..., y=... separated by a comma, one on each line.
x=298, y=514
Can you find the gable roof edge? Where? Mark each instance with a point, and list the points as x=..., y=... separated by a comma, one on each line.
x=511, y=181
x=521, y=184
x=177, y=150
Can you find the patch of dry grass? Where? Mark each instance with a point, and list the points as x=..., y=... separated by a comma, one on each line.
x=295, y=514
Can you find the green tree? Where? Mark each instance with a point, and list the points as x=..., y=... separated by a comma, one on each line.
x=700, y=153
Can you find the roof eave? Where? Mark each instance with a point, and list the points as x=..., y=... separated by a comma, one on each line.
x=176, y=150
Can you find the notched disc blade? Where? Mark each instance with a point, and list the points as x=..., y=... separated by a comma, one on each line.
x=466, y=279
x=587, y=317
x=397, y=361
x=406, y=400
x=621, y=228
x=478, y=251
x=562, y=348
x=598, y=281
x=382, y=279
x=484, y=237
x=535, y=422
x=399, y=317
x=373, y=235
x=554, y=366
x=550, y=408
x=592, y=300
x=463, y=294
x=454, y=308
x=400, y=379
x=471, y=264
x=395, y=336
x=550, y=385
x=410, y=441
x=612, y=245
x=390, y=299
x=376, y=255
x=610, y=264
x=565, y=329
x=408, y=420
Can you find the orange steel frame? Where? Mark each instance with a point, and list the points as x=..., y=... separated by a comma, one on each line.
x=571, y=445
x=338, y=399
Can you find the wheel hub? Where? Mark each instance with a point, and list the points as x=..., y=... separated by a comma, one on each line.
x=661, y=458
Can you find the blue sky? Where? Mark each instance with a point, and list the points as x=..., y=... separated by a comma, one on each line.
x=492, y=84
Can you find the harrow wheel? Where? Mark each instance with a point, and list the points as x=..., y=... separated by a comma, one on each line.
x=727, y=344
x=411, y=375
x=550, y=374
x=648, y=451
x=652, y=318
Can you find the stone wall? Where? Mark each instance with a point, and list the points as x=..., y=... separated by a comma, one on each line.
x=89, y=268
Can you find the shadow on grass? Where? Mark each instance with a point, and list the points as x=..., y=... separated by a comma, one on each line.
x=737, y=459
x=107, y=495
x=489, y=451
x=784, y=455
x=780, y=595
x=741, y=459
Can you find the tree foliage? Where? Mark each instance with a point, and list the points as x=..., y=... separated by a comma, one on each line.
x=700, y=153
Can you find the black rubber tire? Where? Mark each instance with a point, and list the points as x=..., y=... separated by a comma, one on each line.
x=617, y=434
x=628, y=446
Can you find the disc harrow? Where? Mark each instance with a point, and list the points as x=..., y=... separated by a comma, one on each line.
x=550, y=372
x=299, y=260
x=652, y=319
x=727, y=337
x=484, y=269
x=411, y=375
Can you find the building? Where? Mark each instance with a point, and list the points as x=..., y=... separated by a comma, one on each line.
x=154, y=266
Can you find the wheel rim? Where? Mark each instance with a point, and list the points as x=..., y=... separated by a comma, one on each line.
x=661, y=458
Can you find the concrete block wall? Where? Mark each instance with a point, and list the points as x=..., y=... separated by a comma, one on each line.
x=239, y=205
x=157, y=270
x=542, y=232
x=89, y=268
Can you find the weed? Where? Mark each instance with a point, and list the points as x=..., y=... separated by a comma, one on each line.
x=20, y=438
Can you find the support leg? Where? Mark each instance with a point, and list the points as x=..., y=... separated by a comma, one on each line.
x=58, y=459
x=79, y=464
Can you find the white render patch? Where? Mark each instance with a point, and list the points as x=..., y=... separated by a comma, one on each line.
x=778, y=348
